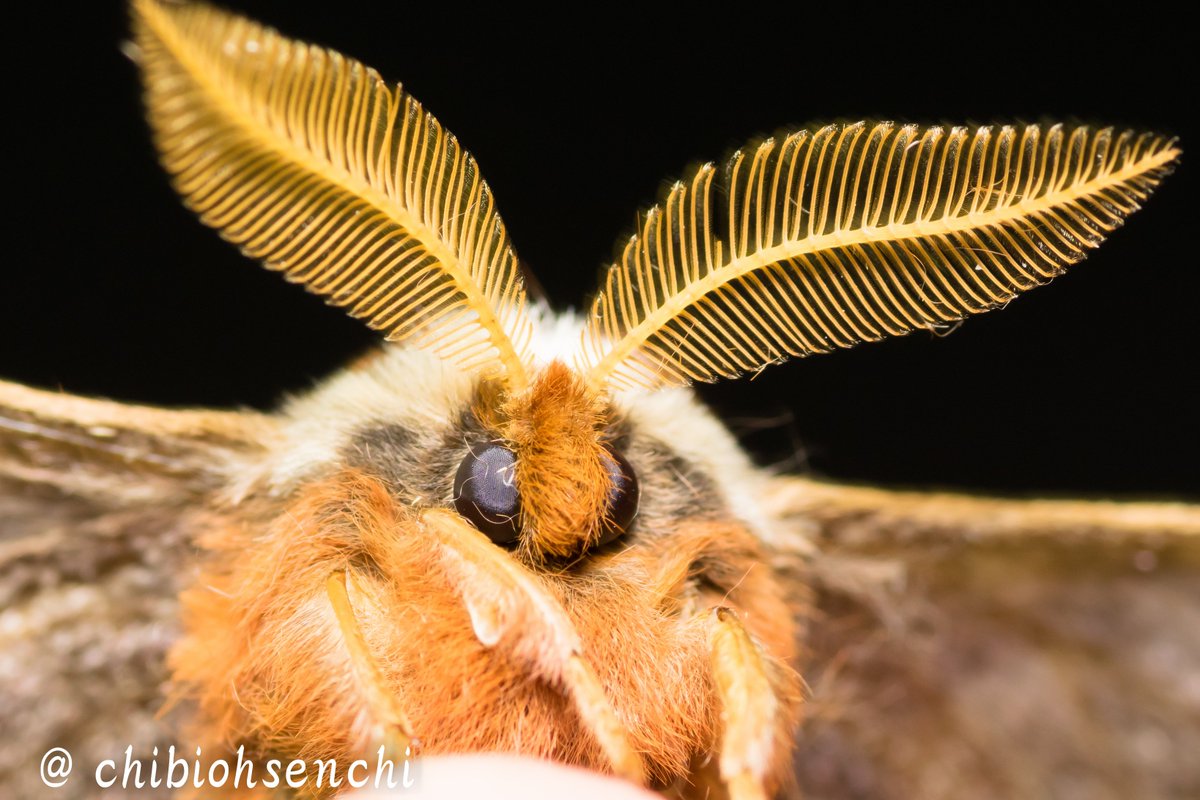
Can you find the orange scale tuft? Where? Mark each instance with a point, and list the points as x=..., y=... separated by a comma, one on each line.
x=556, y=430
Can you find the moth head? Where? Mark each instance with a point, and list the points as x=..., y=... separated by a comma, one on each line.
x=551, y=474
x=819, y=239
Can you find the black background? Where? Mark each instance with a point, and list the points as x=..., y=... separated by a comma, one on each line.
x=1089, y=385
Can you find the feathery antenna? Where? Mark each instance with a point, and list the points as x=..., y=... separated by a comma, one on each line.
x=308, y=161
x=852, y=233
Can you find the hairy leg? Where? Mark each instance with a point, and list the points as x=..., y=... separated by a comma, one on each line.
x=397, y=730
x=749, y=708
x=507, y=605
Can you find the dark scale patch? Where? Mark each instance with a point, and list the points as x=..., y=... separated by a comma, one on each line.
x=417, y=464
x=672, y=487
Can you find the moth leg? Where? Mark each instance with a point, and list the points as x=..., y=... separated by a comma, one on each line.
x=508, y=604
x=748, y=706
x=398, y=730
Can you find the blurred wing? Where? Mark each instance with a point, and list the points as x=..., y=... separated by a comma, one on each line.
x=308, y=161
x=852, y=233
x=93, y=547
x=983, y=648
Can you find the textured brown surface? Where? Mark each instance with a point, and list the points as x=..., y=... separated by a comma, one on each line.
x=971, y=647
x=94, y=549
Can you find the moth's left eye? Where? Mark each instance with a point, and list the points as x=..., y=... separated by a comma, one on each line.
x=622, y=497
x=485, y=492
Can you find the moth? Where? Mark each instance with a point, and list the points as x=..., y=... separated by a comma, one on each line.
x=515, y=530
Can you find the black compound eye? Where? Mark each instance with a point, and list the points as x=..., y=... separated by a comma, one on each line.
x=622, y=497
x=485, y=492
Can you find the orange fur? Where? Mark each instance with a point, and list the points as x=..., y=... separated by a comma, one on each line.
x=264, y=659
x=555, y=429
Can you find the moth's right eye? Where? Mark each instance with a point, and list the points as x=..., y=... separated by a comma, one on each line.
x=485, y=492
